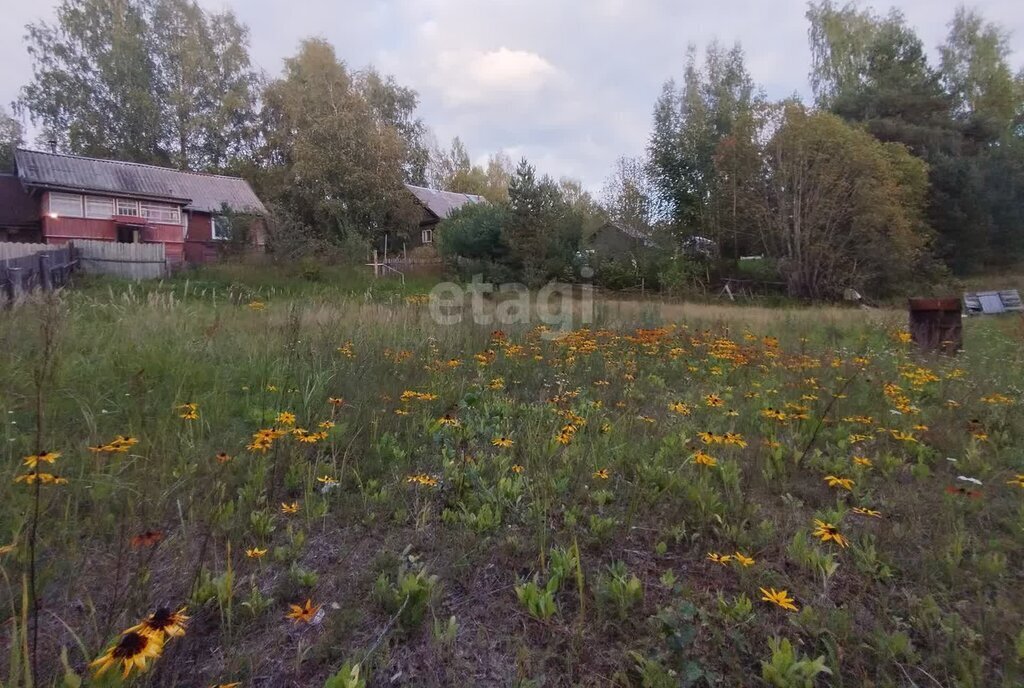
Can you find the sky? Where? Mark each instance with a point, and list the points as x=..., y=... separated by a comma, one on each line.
x=569, y=84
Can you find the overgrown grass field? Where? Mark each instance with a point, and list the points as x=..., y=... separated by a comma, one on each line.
x=295, y=483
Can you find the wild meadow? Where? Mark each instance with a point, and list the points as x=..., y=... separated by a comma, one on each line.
x=206, y=483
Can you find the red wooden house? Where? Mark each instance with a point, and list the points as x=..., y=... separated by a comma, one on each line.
x=87, y=198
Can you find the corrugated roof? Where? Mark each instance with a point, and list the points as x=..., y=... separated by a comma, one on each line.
x=632, y=232
x=442, y=203
x=197, y=191
x=17, y=208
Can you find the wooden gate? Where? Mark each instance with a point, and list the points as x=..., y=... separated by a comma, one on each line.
x=135, y=261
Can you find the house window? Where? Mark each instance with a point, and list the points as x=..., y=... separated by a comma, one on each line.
x=99, y=208
x=159, y=212
x=126, y=207
x=68, y=205
x=221, y=227
x=427, y=236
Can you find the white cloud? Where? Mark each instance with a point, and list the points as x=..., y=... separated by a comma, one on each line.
x=468, y=77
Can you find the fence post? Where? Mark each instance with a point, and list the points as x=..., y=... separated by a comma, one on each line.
x=45, y=274
x=17, y=287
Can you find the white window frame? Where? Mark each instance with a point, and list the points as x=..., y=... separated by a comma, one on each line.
x=213, y=227
x=68, y=199
x=91, y=202
x=160, y=213
x=127, y=207
x=427, y=236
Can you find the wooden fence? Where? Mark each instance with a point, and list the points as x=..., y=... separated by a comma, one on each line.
x=47, y=268
x=136, y=261
x=13, y=249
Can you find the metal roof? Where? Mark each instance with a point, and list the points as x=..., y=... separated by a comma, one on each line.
x=991, y=302
x=17, y=208
x=195, y=190
x=442, y=203
x=630, y=231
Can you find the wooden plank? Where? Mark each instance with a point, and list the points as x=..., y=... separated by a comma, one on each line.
x=14, y=249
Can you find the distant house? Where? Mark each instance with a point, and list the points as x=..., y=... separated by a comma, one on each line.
x=616, y=238
x=76, y=197
x=437, y=206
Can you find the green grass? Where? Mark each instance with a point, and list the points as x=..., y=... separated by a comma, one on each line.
x=555, y=575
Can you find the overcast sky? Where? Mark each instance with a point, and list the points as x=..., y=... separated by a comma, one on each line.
x=568, y=83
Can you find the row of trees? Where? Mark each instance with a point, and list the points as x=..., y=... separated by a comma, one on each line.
x=898, y=166
x=168, y=83
x=898, y=162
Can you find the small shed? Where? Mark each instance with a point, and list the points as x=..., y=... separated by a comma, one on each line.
x=613, y=238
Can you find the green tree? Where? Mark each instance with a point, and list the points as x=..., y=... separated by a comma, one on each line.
x=157, y=81
x=328, y=159
x=452, y=170
x=976, y=70
x=544, y=231
x=627, y=196
x=94, y=81
x=395, y=106
x=11, y=136
x=839, y=38
x=841, y=209
x=205, y=84
x=716, y=102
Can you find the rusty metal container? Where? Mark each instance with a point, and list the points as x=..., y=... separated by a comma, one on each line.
x=937, y=324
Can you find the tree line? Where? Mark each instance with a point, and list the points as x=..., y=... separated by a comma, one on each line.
x=899, y=169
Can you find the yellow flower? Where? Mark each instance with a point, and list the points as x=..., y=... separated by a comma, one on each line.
x=35, y=459
x=702, y=458
x=255, y=553
x=497, y=383
x=503, y=442
x=326, y=424
x=292, y=508
x=1017, y=480
x=223, y=457
x=448, y=420
x=303, y=613
x=257, y=305
x=602, y=474
x=779, y=598
x=285, y=418
x=713, y=400
x=422, y=479
x=863, y=461
x=827, y=532
x=326, y=480
x=743, y=559
x=902, y=436
x=722, y=559
x=132, y=651
x=517, y=468
x=42, y=478
x=681, y=408
x=836, y=481
x=162, y=623
x=861, y=511
x=189, y=411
